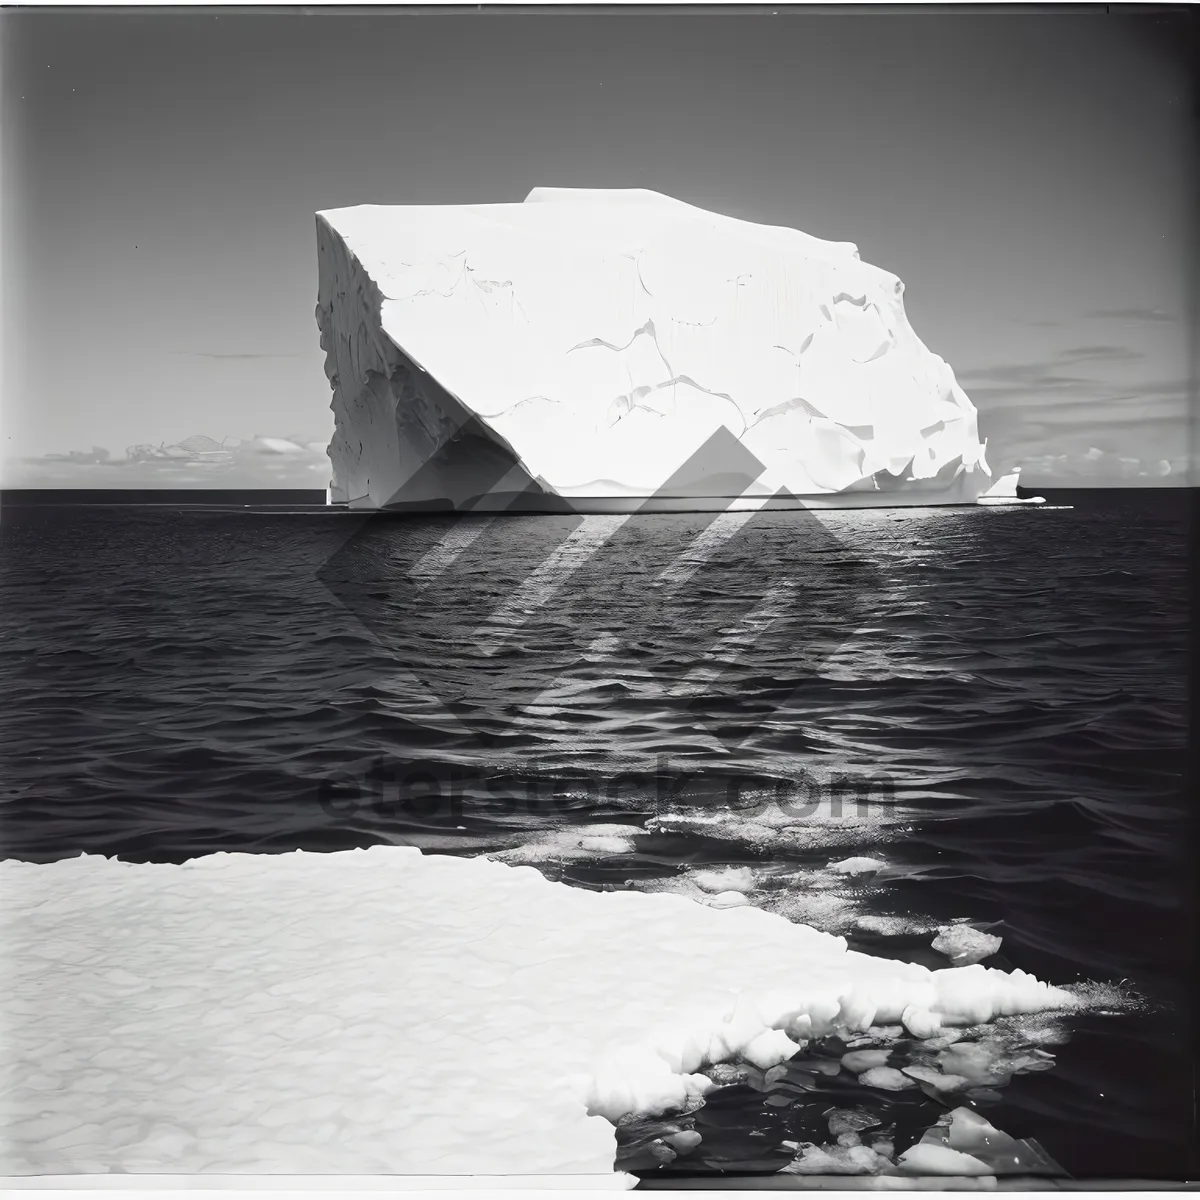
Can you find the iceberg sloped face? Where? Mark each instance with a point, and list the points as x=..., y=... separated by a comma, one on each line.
x=585, y=345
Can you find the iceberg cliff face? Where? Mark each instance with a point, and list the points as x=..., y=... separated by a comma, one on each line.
x=584, y=347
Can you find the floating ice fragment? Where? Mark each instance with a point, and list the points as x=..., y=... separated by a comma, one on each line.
x=980, y=1064
x=886, y=1078
x=857, y=866
x=836, y=1160
x=566, y=845
x=936, y=1080
x=730, y=879
x=963, y=945
x=726, y=1074
x=775, y=1074
x=926, y=1159
x=967, y=1132
x=891, y=926
x=850, y=1120
x=683, y=1142
x=858, y=1061
x=818, y=1066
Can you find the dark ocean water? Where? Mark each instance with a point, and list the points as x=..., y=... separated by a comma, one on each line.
x=992, y=702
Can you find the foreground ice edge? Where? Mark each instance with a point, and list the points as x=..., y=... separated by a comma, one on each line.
x=385, y=1011
x=583, y=344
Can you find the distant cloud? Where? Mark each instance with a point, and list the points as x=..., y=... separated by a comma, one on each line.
x=1131, y=314
x=1056, y=389
x=214, y=354
x=1135, y=408
x=1164, y=387
x=1047, y=373
x=1131, y=413
x=1100, y=354
x=1096, y=466
x=1048, y=412
x=261, y=461
x=1020, y=379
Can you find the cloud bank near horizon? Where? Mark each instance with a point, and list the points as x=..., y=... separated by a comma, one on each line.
x=197, y=461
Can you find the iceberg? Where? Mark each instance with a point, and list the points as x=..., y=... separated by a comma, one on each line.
x=620, y=350
x=385, y=1011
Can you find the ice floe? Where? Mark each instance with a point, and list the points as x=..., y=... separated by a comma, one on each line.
x=388, y=1011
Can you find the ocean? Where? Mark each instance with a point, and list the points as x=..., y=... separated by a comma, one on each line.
x=988, y=706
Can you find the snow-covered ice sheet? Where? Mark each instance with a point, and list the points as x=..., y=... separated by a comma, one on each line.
x=383, y=1011
x=69, y=1186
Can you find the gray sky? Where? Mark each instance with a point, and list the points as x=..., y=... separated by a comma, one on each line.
x=1028, y=176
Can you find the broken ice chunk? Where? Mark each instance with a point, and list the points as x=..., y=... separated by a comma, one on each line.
x=857, y=866
x=817, y=1066
x=858, y=1061
x=850, y=1120
x=926, y=1159
x=963, y=944
x=974, y=1062
x=936, y=1081
x=966, y=1132
x=886, y=1078
x=683, y=1142
x=729, y=879
x=726, y=1074
x=836, y=1160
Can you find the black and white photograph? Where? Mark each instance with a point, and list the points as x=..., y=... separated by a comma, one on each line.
x=599, y=597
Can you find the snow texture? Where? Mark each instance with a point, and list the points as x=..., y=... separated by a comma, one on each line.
x=586, y=343
x=384, y=1011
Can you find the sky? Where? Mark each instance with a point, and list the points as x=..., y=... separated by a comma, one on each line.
x=1030, y=176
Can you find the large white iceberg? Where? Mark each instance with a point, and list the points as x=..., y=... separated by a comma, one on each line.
x=609, y=348
x=386, y=1011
